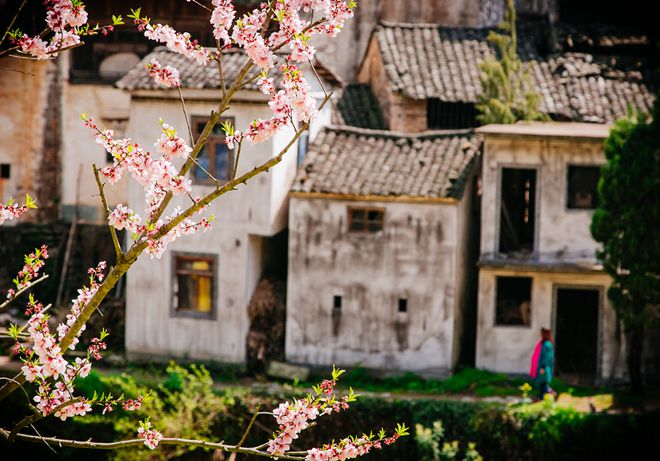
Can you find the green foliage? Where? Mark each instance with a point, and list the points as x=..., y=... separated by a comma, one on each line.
x=508, y=94
x=184, y=405
x=429, y=440
x=626, y=223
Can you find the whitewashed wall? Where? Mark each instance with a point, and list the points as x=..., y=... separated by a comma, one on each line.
x=561, y=233
x=509, y=348
x=242, y=217
x=415, y=257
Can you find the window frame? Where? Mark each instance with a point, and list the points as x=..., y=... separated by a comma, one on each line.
x=568, y=185
x=531, y=301
x=537, y=201
x=365, y=230
x=174, y=311
x=210, y=144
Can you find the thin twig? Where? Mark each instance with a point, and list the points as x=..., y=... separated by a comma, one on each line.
x=106, y=212
x=29, y=420
x=192, y=139
x=22, y=290
x=238, y=157
x=11, y=24
x=249, y=427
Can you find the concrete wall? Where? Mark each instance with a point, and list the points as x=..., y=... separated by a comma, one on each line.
x=414, y=257
x=562, y=234
x=509, y=348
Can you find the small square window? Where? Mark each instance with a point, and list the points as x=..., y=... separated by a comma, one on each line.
x=514, y=301
x=583, y=187
x=194, y=285
x=5, y=170
x=403, y=305
x=365, y=219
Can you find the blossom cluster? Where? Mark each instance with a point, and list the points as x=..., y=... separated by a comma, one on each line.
x=30, y=271
x=13, y=210
x=158, y=176
x=64, y=18
x=180, y=43
x=167, y=76
x=349, y=448
x=294, y=417
x=85, y=294
x=150, y=436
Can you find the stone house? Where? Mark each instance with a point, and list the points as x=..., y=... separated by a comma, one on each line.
x=537, y=266
x=426, y=76
x=192, y=303
x=379, y=249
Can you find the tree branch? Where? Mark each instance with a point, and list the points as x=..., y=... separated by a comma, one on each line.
x=137, y=442
x=22, y=290
x=106, y=212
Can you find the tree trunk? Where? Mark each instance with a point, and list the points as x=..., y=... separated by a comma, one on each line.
x=635, y=349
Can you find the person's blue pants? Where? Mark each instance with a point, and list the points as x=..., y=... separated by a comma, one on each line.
x=544, y=388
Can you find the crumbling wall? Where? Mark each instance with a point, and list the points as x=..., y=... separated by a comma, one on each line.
x=413, y=258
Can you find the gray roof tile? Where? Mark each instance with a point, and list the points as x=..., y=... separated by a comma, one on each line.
x=355, y=161
x=429, y=61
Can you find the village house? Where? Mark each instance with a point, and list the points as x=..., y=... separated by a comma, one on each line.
x=192, y=302
x=538, y=264
x=379, y=249
x=366, y=276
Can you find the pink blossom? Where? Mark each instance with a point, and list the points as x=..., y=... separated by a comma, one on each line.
x=150, y=436
x=171, y=145
x=167, y=76
x=221, y=19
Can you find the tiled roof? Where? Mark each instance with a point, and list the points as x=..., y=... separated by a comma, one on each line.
x=200, y=77
x=355, y=161
x=358, y=107
x=428, y=61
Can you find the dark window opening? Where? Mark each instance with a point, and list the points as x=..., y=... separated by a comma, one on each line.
x=403, y=305
x=583, y=187
x=336, y=302
x=215, y=157
x=517, y=210
x=194, y=285
x=440, y=114
x=576, y=335
x=514, y=301
x=5, y=170
x=365, y=219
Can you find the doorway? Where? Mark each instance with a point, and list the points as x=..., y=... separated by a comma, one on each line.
x=576, y=334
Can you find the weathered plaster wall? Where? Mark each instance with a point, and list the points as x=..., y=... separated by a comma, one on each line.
x=562, y=233
x=509, y=348
x=414, y=258
x=109, y=107
x=24, y=89
x=241, y=218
